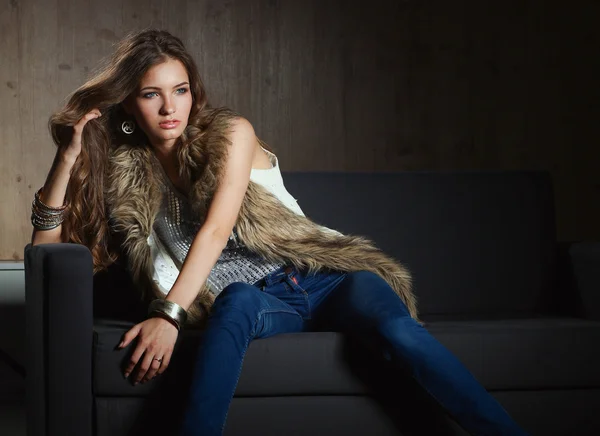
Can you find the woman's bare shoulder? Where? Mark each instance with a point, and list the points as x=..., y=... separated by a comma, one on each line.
x=241, y=128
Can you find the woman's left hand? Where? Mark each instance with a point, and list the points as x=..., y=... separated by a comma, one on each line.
x=156, y=340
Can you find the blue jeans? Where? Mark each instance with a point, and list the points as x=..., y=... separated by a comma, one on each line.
x=289, y=300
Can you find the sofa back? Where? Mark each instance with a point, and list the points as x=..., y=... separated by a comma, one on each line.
x=478, y=243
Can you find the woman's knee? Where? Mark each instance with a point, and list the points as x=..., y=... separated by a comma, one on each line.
x=373, y=292
x=239, y=295
x=365, y=277
x=369, y=281
x=357, y=282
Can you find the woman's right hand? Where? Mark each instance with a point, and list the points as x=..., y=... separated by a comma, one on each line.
x=71, y=152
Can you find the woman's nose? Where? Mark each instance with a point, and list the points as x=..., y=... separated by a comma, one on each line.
x=168, y=107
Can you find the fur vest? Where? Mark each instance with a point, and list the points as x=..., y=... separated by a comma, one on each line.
x=267, y=227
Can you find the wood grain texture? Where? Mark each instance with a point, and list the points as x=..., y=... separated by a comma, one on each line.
x=11, y=179
x=337, y=85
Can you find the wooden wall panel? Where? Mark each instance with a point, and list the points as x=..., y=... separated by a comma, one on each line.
x=277, y=63
x=11, y=179
x=335, y=85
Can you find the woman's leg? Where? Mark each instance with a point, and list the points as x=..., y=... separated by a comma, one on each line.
x=240, y=313
x=364, y=303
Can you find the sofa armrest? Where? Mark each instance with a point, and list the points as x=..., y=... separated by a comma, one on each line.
x=584, y=258
x=59, y=324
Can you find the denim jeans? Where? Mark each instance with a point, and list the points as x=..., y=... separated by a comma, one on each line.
x=289, y=300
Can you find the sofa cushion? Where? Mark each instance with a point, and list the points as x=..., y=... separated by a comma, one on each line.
x=306, y=363
x=541, y=353
x=477, y=242
x=503, y=354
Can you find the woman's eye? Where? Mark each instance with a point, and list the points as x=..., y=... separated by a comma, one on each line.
x=153, y=94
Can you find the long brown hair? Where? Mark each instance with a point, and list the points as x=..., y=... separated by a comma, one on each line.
x=87, y=221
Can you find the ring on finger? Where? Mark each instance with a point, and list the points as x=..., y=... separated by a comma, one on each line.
x=159, y=360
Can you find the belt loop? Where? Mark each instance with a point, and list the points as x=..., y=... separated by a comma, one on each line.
x=271, y=279
x=275, y=276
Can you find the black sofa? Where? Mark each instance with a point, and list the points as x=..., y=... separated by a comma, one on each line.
x=519, y=309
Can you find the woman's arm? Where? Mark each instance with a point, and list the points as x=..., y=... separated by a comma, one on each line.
x=221, y=217
x=55, y=188
x=53, y=194
x=157, y=336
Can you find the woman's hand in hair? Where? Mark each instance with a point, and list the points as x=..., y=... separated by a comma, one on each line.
x=156, y=339
x=72, y=150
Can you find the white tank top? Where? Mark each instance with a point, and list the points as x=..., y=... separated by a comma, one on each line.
x=165, y=268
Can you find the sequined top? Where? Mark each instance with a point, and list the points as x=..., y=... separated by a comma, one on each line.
x=176, y=228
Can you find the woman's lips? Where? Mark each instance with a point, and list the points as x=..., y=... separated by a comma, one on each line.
x=169, y=124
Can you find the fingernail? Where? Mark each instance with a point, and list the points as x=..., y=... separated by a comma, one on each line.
x=120, y=345
x=126, y=374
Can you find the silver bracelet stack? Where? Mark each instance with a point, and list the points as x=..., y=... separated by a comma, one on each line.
x=44, y=217
x=167, y=309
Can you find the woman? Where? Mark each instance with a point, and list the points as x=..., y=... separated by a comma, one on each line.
x=213, y=238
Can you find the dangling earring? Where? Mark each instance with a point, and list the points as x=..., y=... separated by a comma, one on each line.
x=128, y=127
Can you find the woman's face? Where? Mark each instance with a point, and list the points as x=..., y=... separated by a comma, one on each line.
x=162, y=102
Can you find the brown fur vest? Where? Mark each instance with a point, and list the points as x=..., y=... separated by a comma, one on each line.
x=264, y=224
